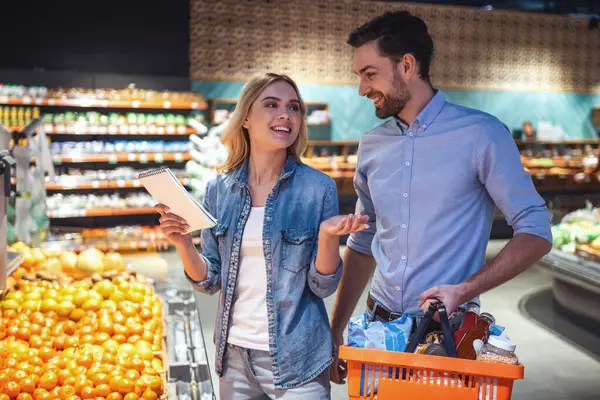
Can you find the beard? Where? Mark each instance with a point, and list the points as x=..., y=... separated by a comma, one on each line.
x=394, y=102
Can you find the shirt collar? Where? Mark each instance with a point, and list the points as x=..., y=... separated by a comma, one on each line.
x=427, y=115
x=431, y=110
x=241, y=175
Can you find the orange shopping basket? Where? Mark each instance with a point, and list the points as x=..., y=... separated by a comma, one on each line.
x=390, y=375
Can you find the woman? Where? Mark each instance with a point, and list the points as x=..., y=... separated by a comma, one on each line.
x=274, y=252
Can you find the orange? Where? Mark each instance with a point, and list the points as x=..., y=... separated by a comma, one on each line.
x=149, y=395
x=131, y=396
x=87, y=392
x=67, y=390
x=100, y=379
x=27, y=385
x=12, y=389
x=102, y=390
x=113, y=396
x=24, y=396
x=126, y=386
x=48, y=381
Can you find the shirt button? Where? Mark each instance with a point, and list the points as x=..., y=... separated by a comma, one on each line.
x=424, y=126
x=398, y=288
x=405, y=195
x=403, y=257
x=407, y=163
x=267, y=242
x=403, y=226
x=410, y=133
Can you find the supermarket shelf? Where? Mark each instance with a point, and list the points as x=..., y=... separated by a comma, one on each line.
x=118, y=158
x=13, y=261
x=88, y=103
x=118, y=130
x=118, y=184
x=103, y=212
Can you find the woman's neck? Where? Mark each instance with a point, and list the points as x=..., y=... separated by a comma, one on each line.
x=265, y=166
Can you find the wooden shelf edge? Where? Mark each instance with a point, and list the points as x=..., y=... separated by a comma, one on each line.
x=95, y=103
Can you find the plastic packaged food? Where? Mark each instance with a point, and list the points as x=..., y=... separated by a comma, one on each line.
x=498, y=350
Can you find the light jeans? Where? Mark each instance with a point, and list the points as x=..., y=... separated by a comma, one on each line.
x=247, y=375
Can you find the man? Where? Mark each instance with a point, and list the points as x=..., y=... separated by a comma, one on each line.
x=429, y=179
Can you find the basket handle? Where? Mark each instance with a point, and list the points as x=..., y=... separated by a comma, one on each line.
x=419, y=333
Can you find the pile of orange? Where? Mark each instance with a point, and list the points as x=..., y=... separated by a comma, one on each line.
x=81, y=341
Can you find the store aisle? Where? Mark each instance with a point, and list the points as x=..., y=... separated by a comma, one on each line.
x=555, y=369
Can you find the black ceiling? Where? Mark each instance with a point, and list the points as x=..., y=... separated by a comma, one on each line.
x=588, y=8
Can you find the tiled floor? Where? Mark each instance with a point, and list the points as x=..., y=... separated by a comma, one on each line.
x=555, y=369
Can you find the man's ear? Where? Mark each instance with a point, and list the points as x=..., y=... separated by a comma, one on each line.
x=407, y=67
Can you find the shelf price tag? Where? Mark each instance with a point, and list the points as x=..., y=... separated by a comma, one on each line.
x=131, y=157
x=170, y=129
x=181, y=130
x=39, y=101
x=143, y=129
x=112, y=159
x=133, y=129
x=112, y=130
x=152, y=129
x=167, y=104
x=57, y=160
x=51, y=102
x=136, y=183
x=158, y=157
x=102, y=130
x=135, y=104
x=4, y=99
x=144, y=158
x=95, y=184
x=124, y=129
x=161, y=130
x=121, y=183
x=178, y=157
x=26, y=100
x=60, y=128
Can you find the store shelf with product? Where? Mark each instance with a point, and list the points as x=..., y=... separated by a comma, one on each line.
x=96, y=151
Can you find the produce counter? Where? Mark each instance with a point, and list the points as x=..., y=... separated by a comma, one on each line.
x=576, y=284
x=78, y=326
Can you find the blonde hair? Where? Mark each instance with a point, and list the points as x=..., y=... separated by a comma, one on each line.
x=235, y=137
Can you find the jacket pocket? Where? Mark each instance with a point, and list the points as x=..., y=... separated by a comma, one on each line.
x=220, y=232
x=297, y=246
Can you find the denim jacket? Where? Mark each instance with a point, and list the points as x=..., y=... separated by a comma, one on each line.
x=300, y=343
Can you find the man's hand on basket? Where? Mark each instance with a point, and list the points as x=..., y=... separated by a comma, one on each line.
x=338, y=370
x=449, y=295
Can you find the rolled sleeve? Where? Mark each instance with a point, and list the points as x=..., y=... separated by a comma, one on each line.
x=361, y=241
x=210, y=251
x=509, y=185
x=325, y=285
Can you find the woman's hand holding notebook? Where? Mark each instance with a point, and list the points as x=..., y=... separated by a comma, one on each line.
x=165, y=189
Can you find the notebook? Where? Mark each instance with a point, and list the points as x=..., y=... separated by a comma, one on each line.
x=165, y=188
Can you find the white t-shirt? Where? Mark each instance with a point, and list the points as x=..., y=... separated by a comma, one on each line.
x=249, y=323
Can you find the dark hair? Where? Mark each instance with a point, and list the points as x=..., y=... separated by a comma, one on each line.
x=397, y=33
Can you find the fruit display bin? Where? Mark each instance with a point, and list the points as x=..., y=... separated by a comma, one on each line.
x=59, y=324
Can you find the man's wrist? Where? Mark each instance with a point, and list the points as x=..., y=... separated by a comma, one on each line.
x=466, y=291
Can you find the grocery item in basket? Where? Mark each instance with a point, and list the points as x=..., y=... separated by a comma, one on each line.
x=391, y=336
x=498, y=349
x=464, y=347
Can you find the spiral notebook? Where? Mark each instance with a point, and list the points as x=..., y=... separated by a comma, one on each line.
x=165, y=188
